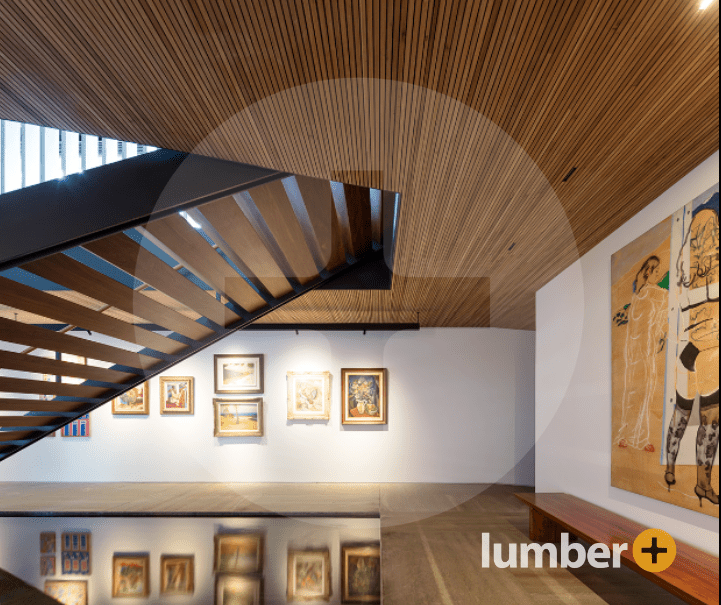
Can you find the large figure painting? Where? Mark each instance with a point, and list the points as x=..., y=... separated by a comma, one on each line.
x=665, y=333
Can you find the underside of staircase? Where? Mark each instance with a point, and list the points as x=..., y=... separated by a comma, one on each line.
x=162, y=255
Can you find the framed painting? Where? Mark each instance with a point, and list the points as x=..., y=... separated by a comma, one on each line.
x=665, y=379
x=68, y=592
x=177, y=574
x=240, y=417
x=47, y=565
x=361, y=574
x=47, y=542
x=131, y=576
x=134, y=402
x=364, y=396
x=238, y=553
x=76, y=553
x=308, y=395
x=77, y=428
x=176, y=395
x=231, y=589
x=239, y=374
x=309, y=575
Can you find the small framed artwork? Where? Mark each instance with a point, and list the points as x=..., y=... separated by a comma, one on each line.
x=238, y=553
x=308, y=395
x=47, y=565
x=177, y=574
x=309, y=575
x=364, y=396
x=47, y=542
x=68, y=592
x=176, y=395
x=134, y=402
x=231, y=589
x=75, y=553
x=361, y=574
x=239, y=374
x=77, y=428
x=239, y=417
x=131, y=576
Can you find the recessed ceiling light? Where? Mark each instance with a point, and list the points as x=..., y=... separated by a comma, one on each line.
x=705, y=4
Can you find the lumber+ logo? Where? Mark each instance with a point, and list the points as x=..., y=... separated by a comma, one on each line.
x=653, y=550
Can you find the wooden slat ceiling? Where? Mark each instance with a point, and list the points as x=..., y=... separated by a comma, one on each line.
x=473, y=111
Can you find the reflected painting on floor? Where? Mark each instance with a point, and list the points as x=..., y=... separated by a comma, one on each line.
x=361, y=574
x=309, y=575
x=665, y=349
x=67, y=592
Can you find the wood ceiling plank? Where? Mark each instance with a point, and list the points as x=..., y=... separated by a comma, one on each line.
x=34, y=405
x=29, y=421
x=20, y=296
x=177, y=237
x=131, y=257
x=22, y=362
x=618, y=88
x=48, y=387
x=226, y=217
x=41, y=338
x=274, y=206
x=68, y=272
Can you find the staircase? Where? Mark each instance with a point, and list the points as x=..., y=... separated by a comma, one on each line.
x=113, y=275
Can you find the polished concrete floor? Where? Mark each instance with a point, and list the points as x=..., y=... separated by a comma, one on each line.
x=430, y=534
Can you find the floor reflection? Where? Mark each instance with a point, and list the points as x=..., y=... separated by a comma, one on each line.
x=228, y=561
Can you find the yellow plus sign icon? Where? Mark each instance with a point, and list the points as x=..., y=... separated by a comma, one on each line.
x=654, y=550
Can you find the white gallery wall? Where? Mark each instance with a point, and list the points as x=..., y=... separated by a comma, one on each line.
x=573, y=378
x=460, y=407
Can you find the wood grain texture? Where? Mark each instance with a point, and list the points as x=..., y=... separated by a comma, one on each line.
x=34, y=405
x=174, y=235
x=474, y=112
x=42, y=365
x=29, y=421
x=68, y=272
x=20, y=296
x=693, y=576
x=16, y=435
x=49, y=387
x=41, y=338
x=126, y=254
x=226, y=217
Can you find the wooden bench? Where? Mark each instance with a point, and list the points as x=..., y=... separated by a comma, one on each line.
x=694, y=575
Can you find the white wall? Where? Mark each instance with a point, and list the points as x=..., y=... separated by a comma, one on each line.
x=460, y=411
x=573, y=378
x=20, y=556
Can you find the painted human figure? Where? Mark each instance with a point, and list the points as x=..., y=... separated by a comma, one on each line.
x=697, y=369
x=647, y=325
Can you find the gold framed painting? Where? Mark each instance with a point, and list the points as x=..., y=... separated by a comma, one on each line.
x=238, y=553
x=134, y=402
x=364, y=395
x=176, y=395
x=309, y=576
x=233, y=589
x=308, y=395
x=361, y=574
x=131, y=576
x=238, y=417
x=177, y=574
x=47, y=565
x=238, y=374
x=68, y=592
